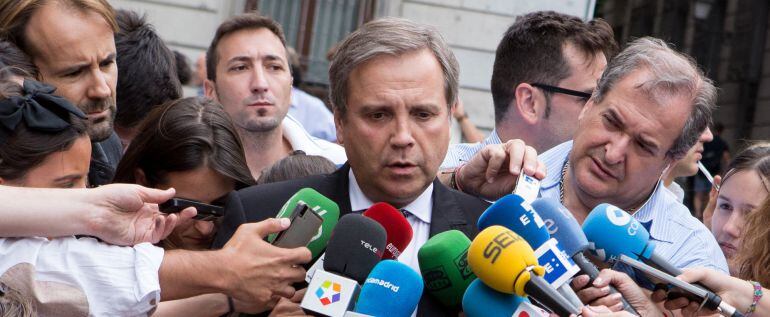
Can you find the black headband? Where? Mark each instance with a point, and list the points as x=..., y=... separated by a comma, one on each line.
x=39, y=108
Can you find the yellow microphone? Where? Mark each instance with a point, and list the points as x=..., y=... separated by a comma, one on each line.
x=505, y=262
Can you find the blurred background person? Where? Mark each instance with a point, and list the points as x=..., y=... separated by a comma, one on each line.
x=716, y=155
x=296, y=165
x=686, y=166
x=183, y=70
x=470, y=132
x=310, y=111
x=148, y=75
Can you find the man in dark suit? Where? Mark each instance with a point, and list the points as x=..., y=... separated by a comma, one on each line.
x=393, y=86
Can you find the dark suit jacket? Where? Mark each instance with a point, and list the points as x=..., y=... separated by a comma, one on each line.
x=451, y=210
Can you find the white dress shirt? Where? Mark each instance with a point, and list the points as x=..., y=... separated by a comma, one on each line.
x=300, y=139
x=420, y=211
x=117, y=281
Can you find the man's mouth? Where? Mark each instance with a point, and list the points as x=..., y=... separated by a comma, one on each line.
x=261, y=104
x=600, y=170
x=401, y=167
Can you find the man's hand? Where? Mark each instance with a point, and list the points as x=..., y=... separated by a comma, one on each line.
x=257, y=271
x=598, y=294
x=493, y=171
x=290, y=306
x=125, y=214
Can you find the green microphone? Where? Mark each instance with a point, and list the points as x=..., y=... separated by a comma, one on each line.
x=444, y=266
x=324, y=207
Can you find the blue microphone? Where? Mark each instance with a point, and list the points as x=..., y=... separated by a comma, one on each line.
x=563, y=226
x=612, y=232
x=391, y=289
x=481, y=300
x=514, y=213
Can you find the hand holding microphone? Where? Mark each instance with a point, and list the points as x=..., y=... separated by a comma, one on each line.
x=598, y=293
x=737, y=292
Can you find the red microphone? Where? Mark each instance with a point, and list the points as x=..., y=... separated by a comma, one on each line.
x=398, y=229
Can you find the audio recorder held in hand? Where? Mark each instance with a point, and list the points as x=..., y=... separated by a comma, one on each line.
x=304, y=226
x=205, y=211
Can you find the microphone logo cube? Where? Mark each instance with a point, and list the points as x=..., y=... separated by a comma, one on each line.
x=329, y=292
x=461, y=262
x=436, y=278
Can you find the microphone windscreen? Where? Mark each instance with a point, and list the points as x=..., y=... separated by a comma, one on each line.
x=562, y=225
x=398, y=229
x=481, y=301
x=355, y=247
x=444, y=265
x=612, y=232
x=324, y=207
x=391, y=289
x=501, y=259
x=513, y=212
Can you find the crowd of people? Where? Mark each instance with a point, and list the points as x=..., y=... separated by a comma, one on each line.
x=95, y=134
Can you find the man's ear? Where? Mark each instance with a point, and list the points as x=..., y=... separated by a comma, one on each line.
x=140, y=178
x=527, y=103
x=338, y=122
x=209, y=90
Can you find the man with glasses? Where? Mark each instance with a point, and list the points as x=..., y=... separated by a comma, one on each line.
x=546, y=68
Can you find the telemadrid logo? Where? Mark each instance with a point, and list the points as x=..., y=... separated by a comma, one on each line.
x=329, y=292
x=382, y=283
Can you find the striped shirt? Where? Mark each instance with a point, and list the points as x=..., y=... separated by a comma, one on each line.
x=463, y=152
x=680, y=238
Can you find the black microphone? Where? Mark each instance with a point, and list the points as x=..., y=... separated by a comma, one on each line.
x=355, y=247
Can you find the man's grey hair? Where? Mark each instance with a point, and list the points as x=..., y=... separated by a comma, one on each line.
x=394, y=37
x=673, y=75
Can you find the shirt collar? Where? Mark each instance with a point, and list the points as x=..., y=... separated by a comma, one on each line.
x=493, y=138
x=653, y=210
x=554, y=160
x=421, y=207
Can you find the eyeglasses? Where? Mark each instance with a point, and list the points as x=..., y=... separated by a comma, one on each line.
x=560, y=90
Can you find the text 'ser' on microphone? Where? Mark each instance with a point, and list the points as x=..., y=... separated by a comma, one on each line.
x=514, y=213
x=482, y=301
x=392, y=289
x=565, y=228
x=444, y=266
x=506, y=263
x=397, y=227
x=354, y=248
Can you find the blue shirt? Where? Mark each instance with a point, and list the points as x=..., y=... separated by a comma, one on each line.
x=312, y=113
x=463, y=152
x=680, y=238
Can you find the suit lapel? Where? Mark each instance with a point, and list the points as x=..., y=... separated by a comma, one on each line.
x=340, y=188
x=447, y=214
